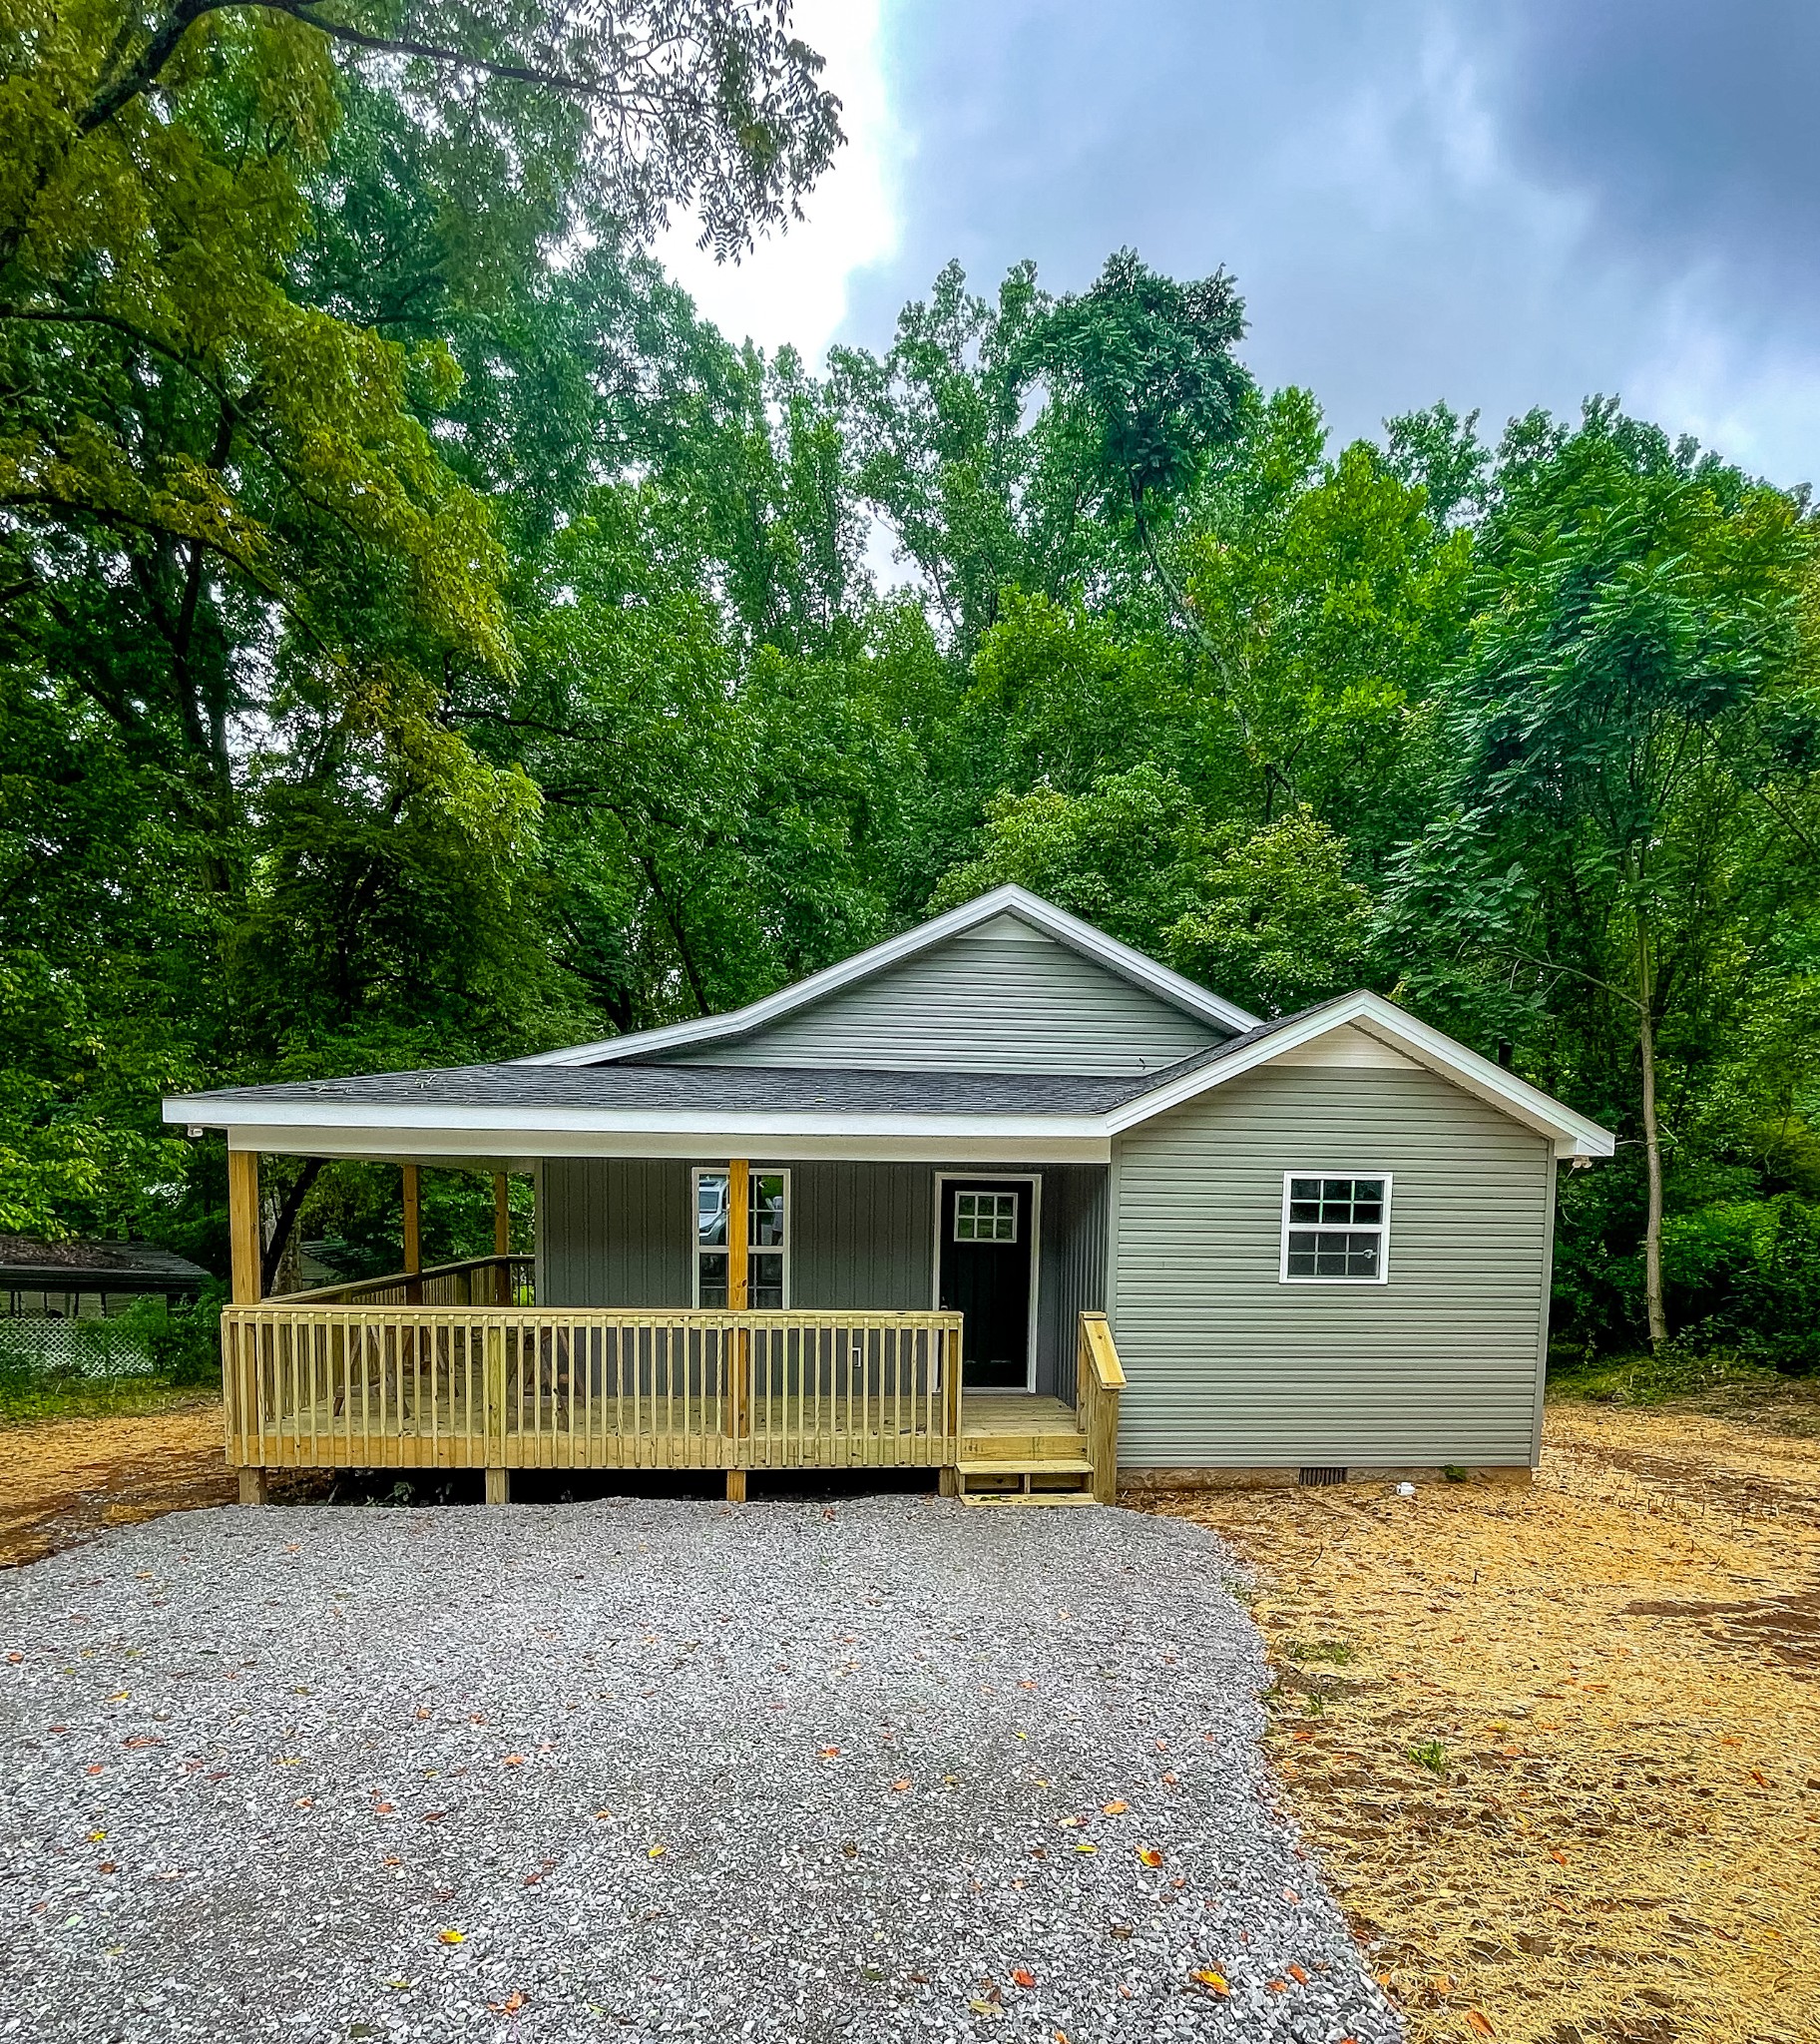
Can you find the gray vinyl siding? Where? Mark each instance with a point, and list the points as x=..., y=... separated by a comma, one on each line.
x=1228, y=1367
x=979, y=1006
x=616, y=1233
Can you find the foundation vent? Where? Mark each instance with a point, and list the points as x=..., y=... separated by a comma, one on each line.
x=1309, y=1478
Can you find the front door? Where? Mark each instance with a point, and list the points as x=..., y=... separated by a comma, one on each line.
x=985, y=1272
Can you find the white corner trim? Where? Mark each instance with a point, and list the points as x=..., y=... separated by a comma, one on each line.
x=1008, y=900
x=1573, y=1134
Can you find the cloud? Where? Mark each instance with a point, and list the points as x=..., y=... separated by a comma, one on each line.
x=1505, y=203
x=794, y=289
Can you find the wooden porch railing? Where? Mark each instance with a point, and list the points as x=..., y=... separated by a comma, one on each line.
x=384, y=1384
x=1100, y=1377
x=475, y=1281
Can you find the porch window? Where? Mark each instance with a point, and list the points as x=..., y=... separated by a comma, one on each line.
x=985, y=1217
x=1335, y=1230
x=768, y=1239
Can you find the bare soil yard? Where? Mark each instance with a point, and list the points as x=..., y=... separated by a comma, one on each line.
x=1559, y=1746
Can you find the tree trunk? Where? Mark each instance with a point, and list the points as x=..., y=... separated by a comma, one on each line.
x=1652, y=1149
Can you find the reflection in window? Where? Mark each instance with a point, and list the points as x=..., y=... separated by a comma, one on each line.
x=985, y=1217
x=767, y=1238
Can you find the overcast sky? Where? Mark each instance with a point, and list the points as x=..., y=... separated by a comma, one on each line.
x=1501, y=203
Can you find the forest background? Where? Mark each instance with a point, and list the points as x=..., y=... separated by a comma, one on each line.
x=424, y=639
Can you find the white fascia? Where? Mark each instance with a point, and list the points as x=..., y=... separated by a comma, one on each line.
x=1572, y=1135
x=341, y=1129
x=1008, y=900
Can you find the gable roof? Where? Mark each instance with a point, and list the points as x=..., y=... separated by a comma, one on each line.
x=1017, y=902
x=1574, y=1135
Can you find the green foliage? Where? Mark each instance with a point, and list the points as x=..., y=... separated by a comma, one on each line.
x=423, y=639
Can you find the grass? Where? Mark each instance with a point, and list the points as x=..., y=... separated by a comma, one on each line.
x=28, y=1397
x=1430, y=1753
x=1658, y=1379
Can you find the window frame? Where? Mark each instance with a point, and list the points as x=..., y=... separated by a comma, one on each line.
x=1381, y=1227
x=1018, y=1211
x=697, y=1249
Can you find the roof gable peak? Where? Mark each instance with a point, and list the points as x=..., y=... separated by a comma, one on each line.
x=975, y=917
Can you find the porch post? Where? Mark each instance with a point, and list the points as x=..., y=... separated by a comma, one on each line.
x=413, y=1232
x=738, y=1211
x=245, y=1251
x=501, y=1237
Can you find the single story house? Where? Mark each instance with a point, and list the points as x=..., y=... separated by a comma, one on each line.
x=1000, y=1198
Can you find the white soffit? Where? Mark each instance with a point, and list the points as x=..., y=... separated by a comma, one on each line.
x=1009, y=903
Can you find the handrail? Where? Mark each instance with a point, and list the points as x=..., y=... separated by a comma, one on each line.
x=442, y=1276
x=1100, y=1377
x=324, y=1383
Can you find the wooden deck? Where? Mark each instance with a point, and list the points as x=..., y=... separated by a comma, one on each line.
x=386, y=1382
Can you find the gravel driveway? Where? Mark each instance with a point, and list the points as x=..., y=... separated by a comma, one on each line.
x=886, y=1768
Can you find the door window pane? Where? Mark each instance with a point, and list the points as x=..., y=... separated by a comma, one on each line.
x=985, y=1217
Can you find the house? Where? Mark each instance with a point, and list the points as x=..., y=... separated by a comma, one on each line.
x=79, y=1305
x=1000, y=1198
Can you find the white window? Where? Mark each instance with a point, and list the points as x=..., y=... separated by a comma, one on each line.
x=767, y=1233
x=985, y=1217
x=1336, y=1231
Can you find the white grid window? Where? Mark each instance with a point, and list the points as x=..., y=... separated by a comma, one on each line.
x=1335, y=1230
x=767, y=1248
x=985, y=1217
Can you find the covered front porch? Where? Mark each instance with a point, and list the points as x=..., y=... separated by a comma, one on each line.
x=471, y=1365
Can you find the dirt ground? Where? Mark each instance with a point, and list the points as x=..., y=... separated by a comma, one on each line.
x=65, y=1479
x=1559, y=1746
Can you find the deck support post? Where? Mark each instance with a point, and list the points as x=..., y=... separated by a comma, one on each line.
x=245, y=1254
x=502, y=1238
x=948, y=1480
x=499, y=1486
x=736, y=1486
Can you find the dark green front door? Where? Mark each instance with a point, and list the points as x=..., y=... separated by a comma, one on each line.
x=986, y=1277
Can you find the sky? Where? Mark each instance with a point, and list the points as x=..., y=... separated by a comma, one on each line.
x=1500, y=203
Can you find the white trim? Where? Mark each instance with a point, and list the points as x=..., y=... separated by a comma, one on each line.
x=1008, y=900
x=754, y=1170
x=1573, y=1134
x=1033, y=1178
x=1380, y=1229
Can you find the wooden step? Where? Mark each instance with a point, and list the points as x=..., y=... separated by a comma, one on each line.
x=1025, y=1465
x=1028, y=1497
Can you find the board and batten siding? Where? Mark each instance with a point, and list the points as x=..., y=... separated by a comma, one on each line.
x=615, y=1232
x=1228, y=1367
x=979, y=1004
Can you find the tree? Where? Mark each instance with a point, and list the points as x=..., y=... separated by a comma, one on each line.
x=1622, y=713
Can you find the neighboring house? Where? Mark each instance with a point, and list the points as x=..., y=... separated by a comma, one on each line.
x=1317, y=1246
x=79, y=1305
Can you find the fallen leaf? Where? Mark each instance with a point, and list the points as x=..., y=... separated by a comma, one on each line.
x=900, y=1785
x=1215, y=1982
x=510, y=2006
x=655, y=1852
x=1478, y=2022
x=1086, y=1846
x=1113, y=1808
x=828, y=1753
x=1298, y=1976
x=450, y=1937
x=1023, y=1976
x=1757, y=1776
x=1561, y=1858
x=1149, y=1856
x=383, y=1808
